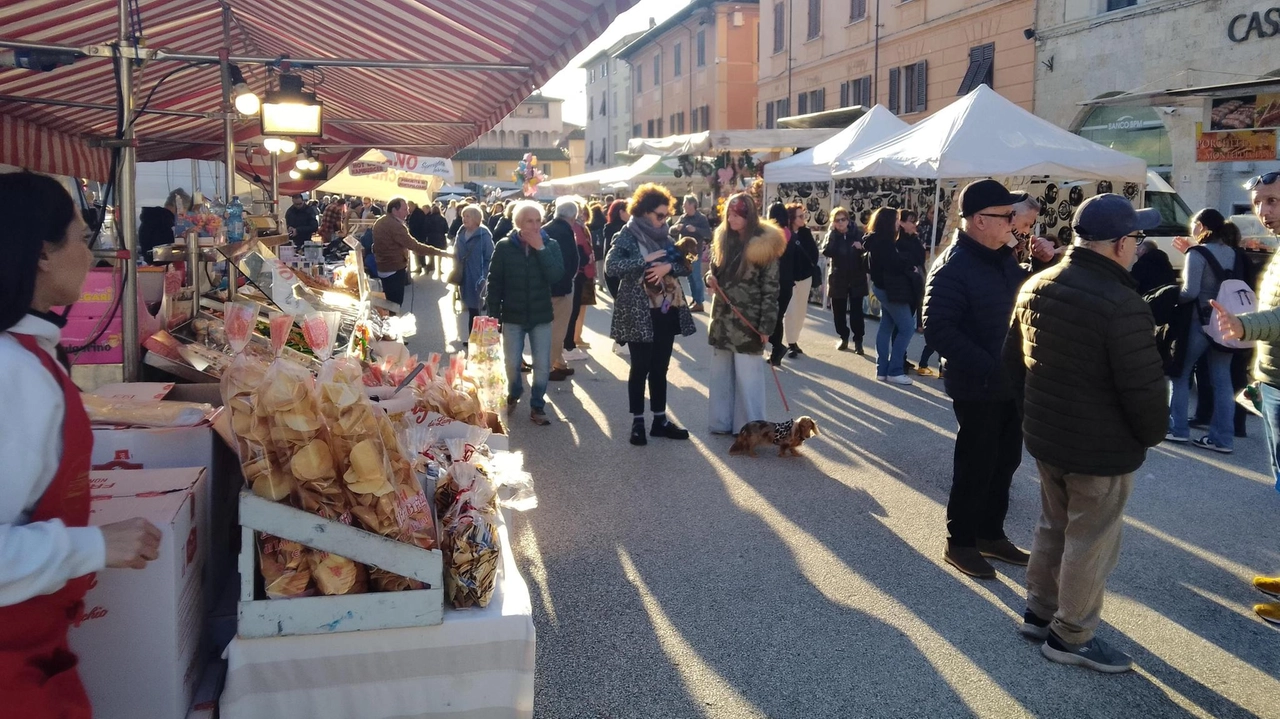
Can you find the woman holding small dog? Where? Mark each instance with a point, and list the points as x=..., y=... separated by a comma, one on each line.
x=745, y=257
x=650, y=308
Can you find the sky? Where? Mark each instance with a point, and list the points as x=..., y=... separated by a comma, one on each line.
x=570, y=83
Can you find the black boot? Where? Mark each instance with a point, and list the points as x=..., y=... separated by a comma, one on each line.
x=663, y=428
x=795, y=350
x=844, y=344
x=775, y=357
x=638, y=437
x=857, y=346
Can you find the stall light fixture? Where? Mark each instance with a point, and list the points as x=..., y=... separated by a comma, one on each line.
x=314, y=170
x=279, y=145
x=306, y=162
x=246, y=102
x=292, y=111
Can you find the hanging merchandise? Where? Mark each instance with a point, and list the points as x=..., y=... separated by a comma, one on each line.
x=528, y=174
x=235, y=220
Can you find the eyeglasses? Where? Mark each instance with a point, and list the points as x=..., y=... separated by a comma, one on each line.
x=1007, y=217
x=661, y=215
x=841, y=219
x=1264, y=179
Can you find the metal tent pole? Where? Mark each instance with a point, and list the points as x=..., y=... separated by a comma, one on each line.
x=933, y=231
x=229, y=137
x=127, y=202
x=274, y=200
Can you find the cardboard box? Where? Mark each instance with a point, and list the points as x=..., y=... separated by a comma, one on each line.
x=205, y=703
x=139, y=636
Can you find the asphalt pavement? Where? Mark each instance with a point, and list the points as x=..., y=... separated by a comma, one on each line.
x=673, y=580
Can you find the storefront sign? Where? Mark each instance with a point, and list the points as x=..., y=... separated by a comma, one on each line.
x=1239, y=146
x=1259, y=24
x=361, y=168
x=411, y=183
x=1246, y=112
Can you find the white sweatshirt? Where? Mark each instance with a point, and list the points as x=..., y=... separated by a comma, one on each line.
x=35, y=557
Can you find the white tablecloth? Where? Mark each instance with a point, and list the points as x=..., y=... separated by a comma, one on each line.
x=477, y=664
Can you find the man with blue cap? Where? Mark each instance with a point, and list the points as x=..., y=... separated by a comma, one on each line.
x=1082, y=356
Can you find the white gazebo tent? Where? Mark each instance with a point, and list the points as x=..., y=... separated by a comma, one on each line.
x=814, y=164
x=984, y=135
x=716, y=142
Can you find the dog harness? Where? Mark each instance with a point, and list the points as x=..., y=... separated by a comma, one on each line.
x=782, y=431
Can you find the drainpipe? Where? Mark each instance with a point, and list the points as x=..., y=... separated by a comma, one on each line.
x=875, y=72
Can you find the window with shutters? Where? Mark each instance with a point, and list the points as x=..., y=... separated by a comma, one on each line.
x=860, y=91
x=784, y=107
x=857, y=10
x=818, y=100
x=635, y=130
x=650, y=132
x=657, y=70
x=679, y=59
x=591, y=153
x=702, y=48
x=895, y=105
x=844, y=94
x=768, y=116
x=916, y=91
x=681, y=130
x=604, y=105
x=815, y=18
x=660, y=133
x=604, y=154
x=779, y=27
x=802, y=103
x=591, y=111
x=981, y=60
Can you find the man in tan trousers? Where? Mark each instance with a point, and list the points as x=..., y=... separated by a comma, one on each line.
x=1082, y=357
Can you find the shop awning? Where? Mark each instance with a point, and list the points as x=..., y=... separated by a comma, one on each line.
x=1188, y=95
x=703, y=143
x=510, y=47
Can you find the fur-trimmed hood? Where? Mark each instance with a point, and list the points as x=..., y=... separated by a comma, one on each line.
x=766, y=246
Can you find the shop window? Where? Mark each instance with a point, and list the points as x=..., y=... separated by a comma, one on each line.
x=857, y=10
x=1135, y=130
x=981, y=60
x=779, y=27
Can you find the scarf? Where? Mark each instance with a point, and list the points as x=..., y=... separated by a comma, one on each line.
x=667, y=293
x=651, y=239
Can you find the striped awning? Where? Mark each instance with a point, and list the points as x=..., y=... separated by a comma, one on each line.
x=428, y=112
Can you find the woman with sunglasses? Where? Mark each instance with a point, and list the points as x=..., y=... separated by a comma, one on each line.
x=847, y=282
x=48, y=553
x=650, y=308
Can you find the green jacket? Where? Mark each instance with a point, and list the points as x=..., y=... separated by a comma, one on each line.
x=1264, y=326
x=1082, y=359
x=520, y=281
x=754, y=292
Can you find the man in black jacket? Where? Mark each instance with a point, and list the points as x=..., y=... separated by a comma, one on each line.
x=302, y=221
x=1083, y=360
x=968, y=302
x=560, y=230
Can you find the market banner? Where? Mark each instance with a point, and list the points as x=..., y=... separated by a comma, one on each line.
x=1246, y=112
x=1235, y=146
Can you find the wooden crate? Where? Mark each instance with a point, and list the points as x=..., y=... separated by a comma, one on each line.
x=347, y=613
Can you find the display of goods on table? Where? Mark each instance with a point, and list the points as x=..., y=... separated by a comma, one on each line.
x=486, y=365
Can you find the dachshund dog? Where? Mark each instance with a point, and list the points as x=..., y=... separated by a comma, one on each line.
x=788, y=436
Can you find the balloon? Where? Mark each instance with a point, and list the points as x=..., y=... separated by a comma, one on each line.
x=533, y=159
x=528, y=190
x=526, y=157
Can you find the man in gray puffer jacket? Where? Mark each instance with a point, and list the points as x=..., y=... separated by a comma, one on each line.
x=1082, y=358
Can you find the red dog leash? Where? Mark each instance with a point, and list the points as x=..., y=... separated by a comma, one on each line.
x=745, y=321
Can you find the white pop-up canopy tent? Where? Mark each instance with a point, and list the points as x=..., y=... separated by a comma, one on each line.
x=984, y=135
x=716, y=142
x=814, y=164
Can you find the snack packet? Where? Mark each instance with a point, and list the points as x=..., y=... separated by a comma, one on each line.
x=472, y=552
x=286, y=571
x=239, y=386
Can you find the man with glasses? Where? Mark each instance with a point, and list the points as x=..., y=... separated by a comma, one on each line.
x=1083, y=362
x=968, y=300
x=1264, y=326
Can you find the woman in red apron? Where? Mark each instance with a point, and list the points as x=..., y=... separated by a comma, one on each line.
x=48, y=553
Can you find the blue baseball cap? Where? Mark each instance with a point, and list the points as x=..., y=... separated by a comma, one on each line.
x=1109, y=216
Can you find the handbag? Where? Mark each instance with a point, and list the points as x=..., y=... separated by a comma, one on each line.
x=588, y=294
x=459, y=269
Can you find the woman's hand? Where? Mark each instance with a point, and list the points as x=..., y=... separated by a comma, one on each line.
x=652, y=256
x=657, y=272
x=1182, y=244
x=131, y=544
x=712, y=283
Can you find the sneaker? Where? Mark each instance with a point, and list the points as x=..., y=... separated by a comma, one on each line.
x=668, y=430
x=1267, y=585
x=881, y=378
x=560, y=375
x=901, y=379
x=969, y=561
x=576, y=354
x=1033, y=627
x=1003, y=550
x=582, y=345
x=539, y=418
x=638, y=437
x=1269, y=611
x=1094, y=654
x=908, y=366
x=924, y=371
x=1206, y=443
x=1171, y=437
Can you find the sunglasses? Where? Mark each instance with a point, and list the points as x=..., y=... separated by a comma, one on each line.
x=661, y=215
x=1264, y=179
x=1007, y=217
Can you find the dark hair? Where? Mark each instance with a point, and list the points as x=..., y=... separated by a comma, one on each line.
x=648, y=198
x=615, y=210
x=1227, y=233
x=597, y=216
x=884, y=223
x=779, y=215
x=908, y=215
x=727, y=246
x=46, y=212
x=794, y=210
x=395, y=204
x=1211, y=219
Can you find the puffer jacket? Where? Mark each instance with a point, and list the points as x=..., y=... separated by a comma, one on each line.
x=1082, y=356
x=968, y=302
x=848, y=269
x=887, y=268
x=632, y=318
x=754, y=293
x=520, y=281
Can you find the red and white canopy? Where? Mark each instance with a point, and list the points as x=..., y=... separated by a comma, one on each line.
x=364, y=107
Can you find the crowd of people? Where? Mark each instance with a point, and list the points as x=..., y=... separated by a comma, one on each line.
x=1084, y=353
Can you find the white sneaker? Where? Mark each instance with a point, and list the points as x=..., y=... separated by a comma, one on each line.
x=901, y=379
x=576, y=354
x=881, y=378
x=621, y=350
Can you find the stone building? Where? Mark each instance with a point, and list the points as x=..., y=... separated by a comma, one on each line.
x=608, y=106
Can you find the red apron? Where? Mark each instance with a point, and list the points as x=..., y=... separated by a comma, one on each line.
x=38, y=678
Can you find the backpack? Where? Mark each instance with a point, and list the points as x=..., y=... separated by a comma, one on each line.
x=1233, y=294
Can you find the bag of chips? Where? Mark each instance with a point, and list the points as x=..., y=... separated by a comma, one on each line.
x=286, y=572
x=486, y=365
x=239, y=385
x=471, y=550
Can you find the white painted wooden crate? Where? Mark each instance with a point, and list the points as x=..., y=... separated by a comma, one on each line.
x=345, y=613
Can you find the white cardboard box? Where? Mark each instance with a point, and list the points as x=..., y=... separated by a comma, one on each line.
x=139, y=636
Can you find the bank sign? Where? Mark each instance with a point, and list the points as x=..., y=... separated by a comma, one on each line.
x=1255, y=25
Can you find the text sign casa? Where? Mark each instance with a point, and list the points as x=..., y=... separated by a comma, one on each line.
x=1259, y=24
x=1241, y=146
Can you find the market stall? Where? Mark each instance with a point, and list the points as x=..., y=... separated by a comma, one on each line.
x=384, y=174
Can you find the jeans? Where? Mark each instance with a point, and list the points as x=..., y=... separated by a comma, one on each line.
x=1076, y=546
x=847, y=313
x=1270, y=425
x=649, y=363
x=1222, y=427
x=988, y=452
x=737, y=390
x=697, y=287
x=393, y=286
x=540, y=346
x=891, y=350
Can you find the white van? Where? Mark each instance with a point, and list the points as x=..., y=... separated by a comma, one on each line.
x=1175, y=216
